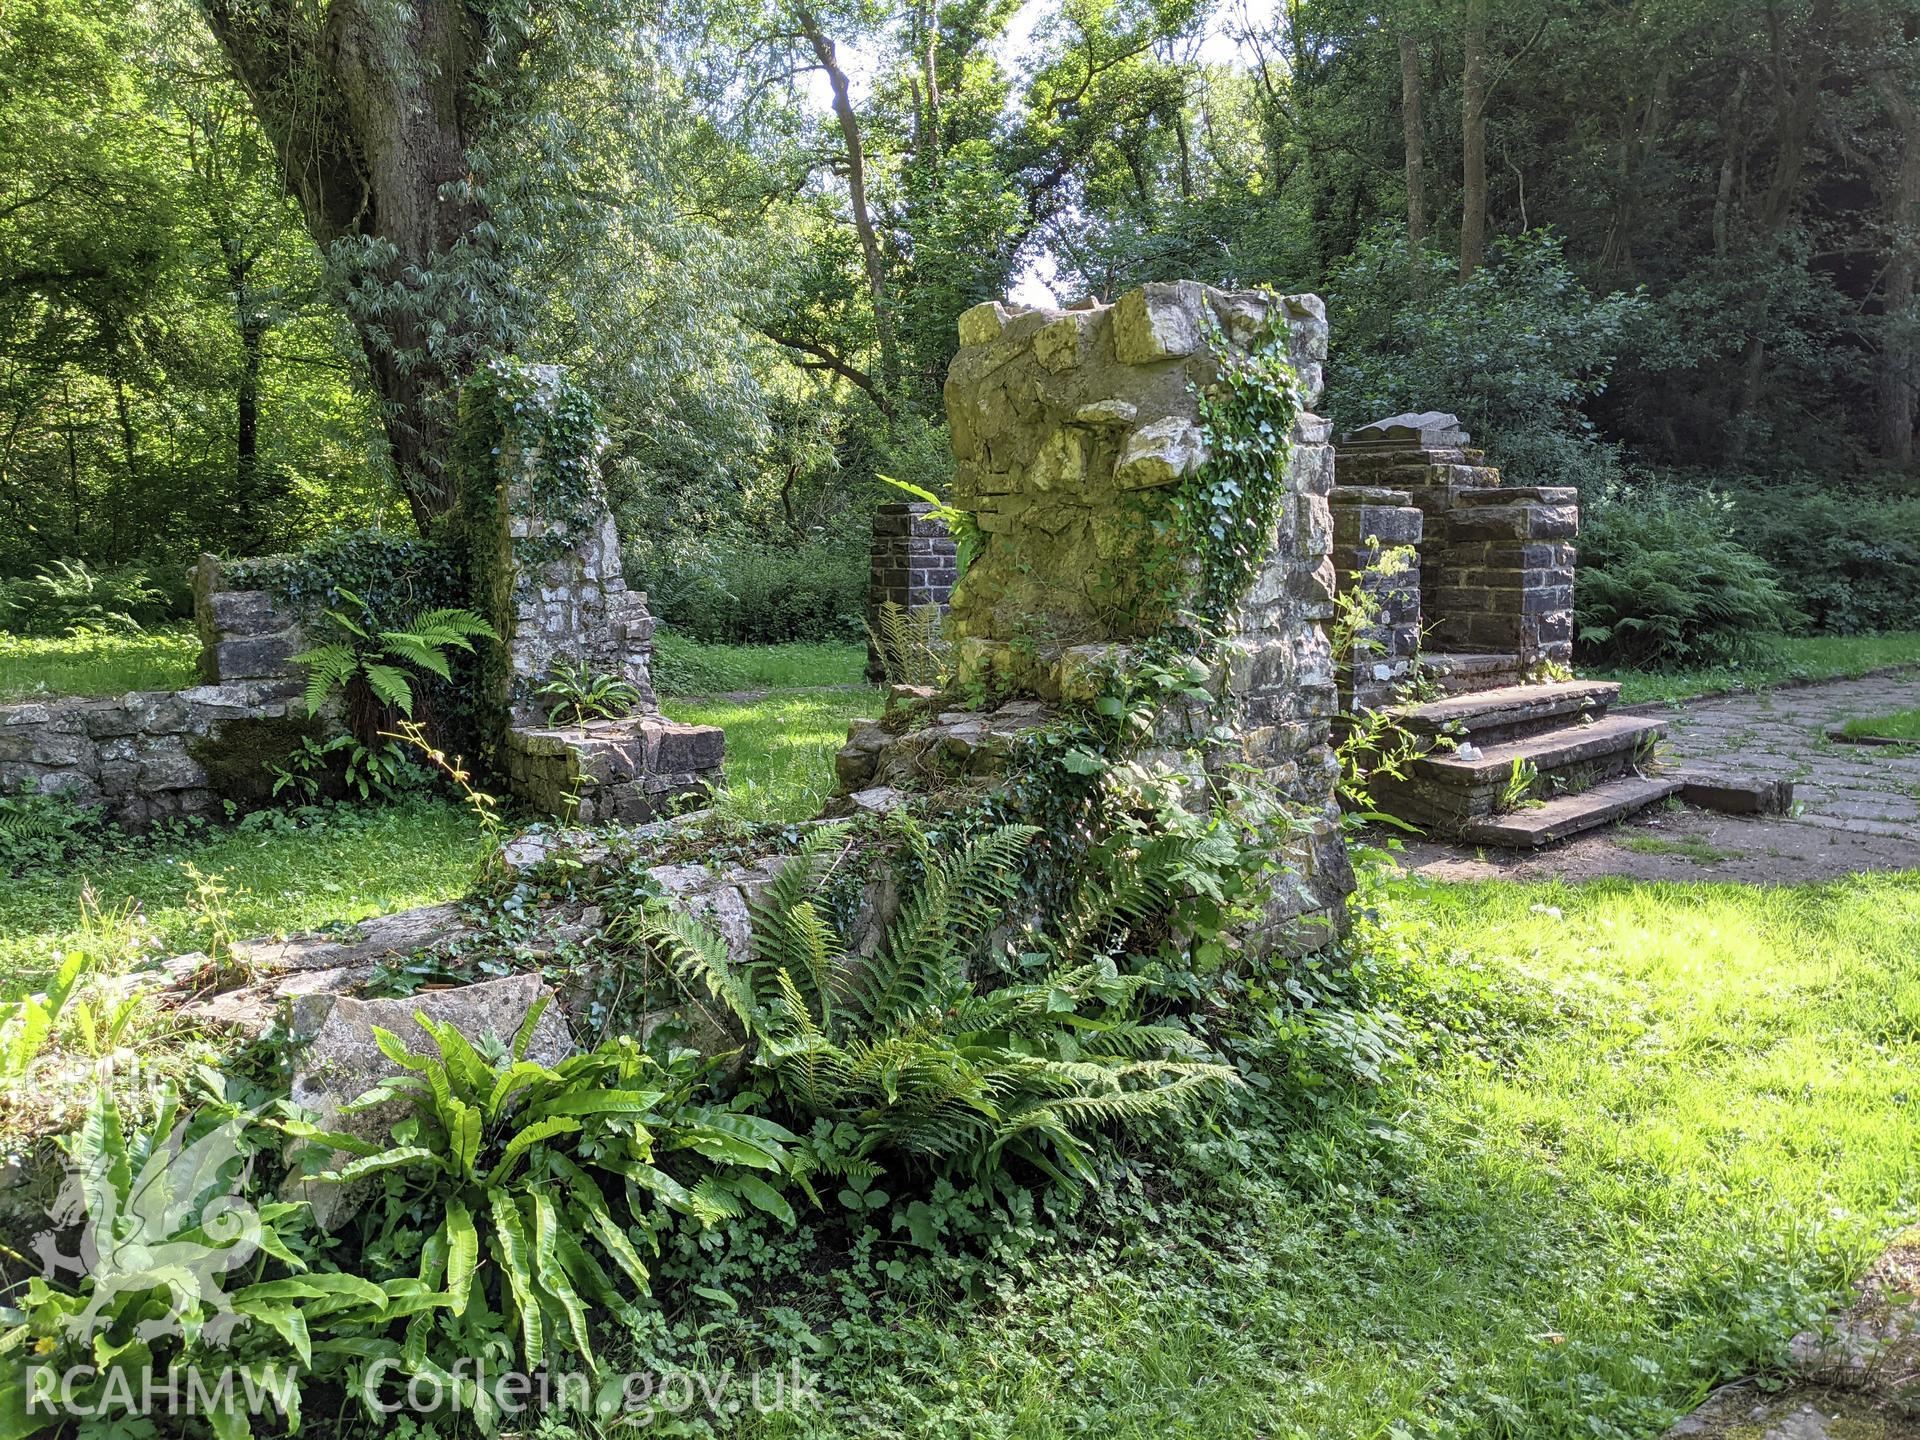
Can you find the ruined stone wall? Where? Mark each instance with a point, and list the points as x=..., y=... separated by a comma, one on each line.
x=1067, y=426
x=914, y=564
x=547, y=566
x=156, y=754
x=544, y=563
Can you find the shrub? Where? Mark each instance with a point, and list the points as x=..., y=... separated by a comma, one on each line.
x=1664, y=584
x=746, y=592
x=1848, y=557
x=1515, y=351
x=67, y=597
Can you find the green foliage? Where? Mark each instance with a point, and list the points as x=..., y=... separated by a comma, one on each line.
x=578, y=694
x=89, y=1005
x=376, y=670
x=157, y=1292
x=68, y=598
x=1664, y=584
x=1227, y=507
x=921, y=1060
x=1847, y=556
x=909, y=644
x=45, y=831
x=1516, y=351
x=521, y=1192
x=747, y=591
x=385, y=771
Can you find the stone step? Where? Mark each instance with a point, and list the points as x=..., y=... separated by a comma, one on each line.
x=1555, y=752
x=1511, y=712
x=1461, y=673
x=1570, y=814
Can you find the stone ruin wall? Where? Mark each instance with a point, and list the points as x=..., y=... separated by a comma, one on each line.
x=153, y=755
x=1064, y=423
x=914, y=563
x=555, y=591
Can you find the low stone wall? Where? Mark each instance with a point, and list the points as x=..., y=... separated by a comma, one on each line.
x=148, y=755
x=915, y=563
x=631, y=770
x=156, y=754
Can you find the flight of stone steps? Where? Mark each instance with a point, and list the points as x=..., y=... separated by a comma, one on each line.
x=1525, y=765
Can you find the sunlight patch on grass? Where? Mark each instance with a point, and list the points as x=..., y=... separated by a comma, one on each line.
x=780, y=748
x=33, y=667
x=1655, y=1129
x=1900, y=725
x=353, y=864
x=687, y=667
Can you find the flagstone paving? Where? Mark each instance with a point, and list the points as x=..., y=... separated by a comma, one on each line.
x=1857, y=807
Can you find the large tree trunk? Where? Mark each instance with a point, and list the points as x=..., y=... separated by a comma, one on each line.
x=1413, y=131
x=372, y=108
x=1473, y=140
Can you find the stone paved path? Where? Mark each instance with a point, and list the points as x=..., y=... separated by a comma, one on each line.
x=1868, y=789
x=1857, y=806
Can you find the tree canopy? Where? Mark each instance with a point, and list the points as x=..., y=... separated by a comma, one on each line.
x=249, y=247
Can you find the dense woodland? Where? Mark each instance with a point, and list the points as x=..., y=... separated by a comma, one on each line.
x=1662, y=249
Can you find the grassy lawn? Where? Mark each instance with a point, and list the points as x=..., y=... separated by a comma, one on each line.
x=1655, y=1129
x=687, y=667
x=1803, y=657
x=161, y=659
x=779, y=749
x=1900, y=725
x=1645, y=1133
x=355, y=863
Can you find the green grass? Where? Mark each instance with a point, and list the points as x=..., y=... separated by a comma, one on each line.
x=355, y=863
x=1802, y=657
x=1689, y=848
x=1900, y=725
x=687, y=667
x=97, y=664
x=1667, y=1127
x=779, y=749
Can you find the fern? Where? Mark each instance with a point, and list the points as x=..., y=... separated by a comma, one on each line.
x=912, y=1054
x=372, y=667
x=909, y=644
